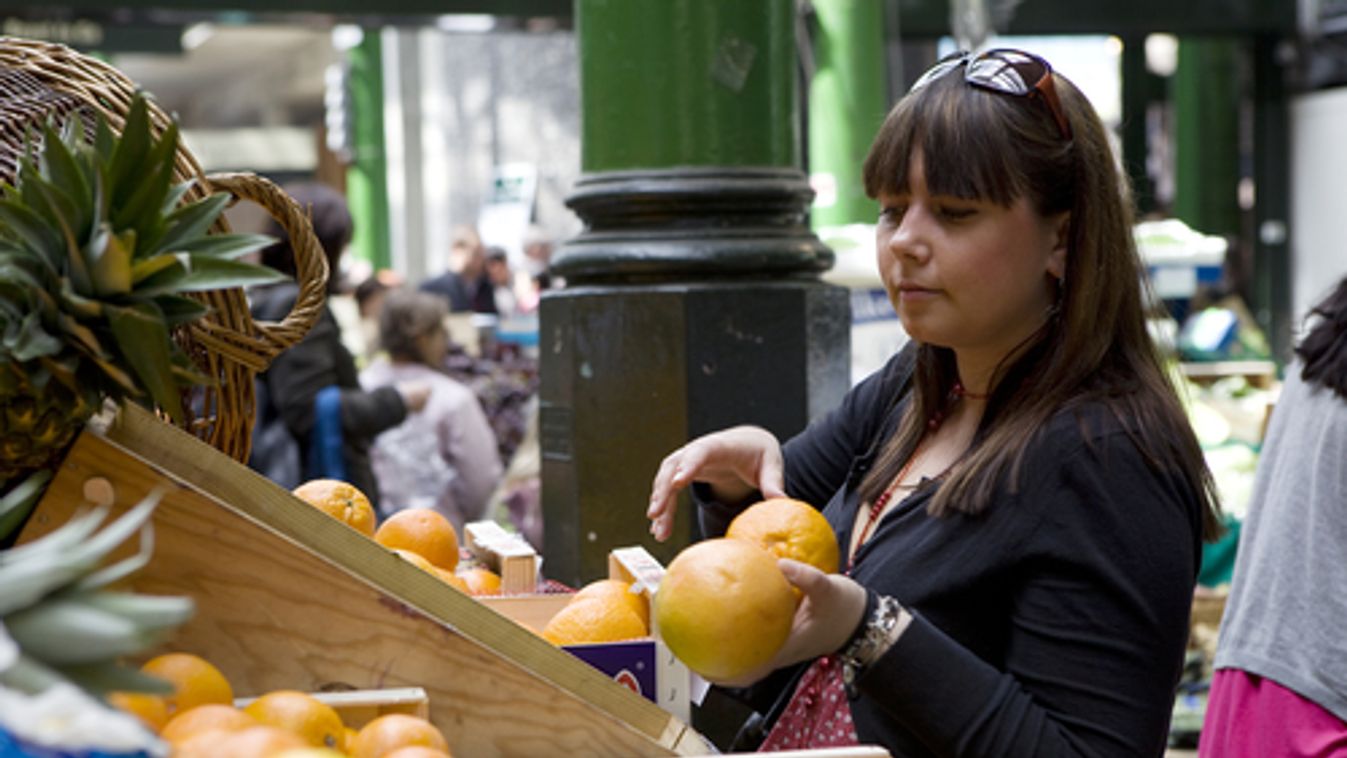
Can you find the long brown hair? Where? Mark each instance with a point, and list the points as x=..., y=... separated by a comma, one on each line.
x=1094, y=346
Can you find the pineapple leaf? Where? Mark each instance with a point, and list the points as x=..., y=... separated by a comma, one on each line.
x=217, y=273
x=105, y=142
x=188, y=222
x=179, y=310
x=126, y=168
x=63, y=371
x=226, y=245
x=141, y=210
x=19, y=501
x=64, y=171
x=143, y=340
x=31, y=341
x=111, y=272
x=166, y=280
x=82, y=335
x=124, y=384
x=79, y=304
x=20, y=224
x=144, y=268
x=175, y=195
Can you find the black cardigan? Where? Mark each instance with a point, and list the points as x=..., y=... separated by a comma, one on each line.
x=1054, y=623
x=320, y=360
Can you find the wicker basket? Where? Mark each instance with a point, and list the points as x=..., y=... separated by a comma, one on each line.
x=39, y=80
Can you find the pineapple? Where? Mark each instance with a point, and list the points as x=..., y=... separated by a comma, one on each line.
x=96, y=255
x=58, y=619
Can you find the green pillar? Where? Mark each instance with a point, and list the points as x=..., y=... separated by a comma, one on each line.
x=847, y=104
x=1206, y=122
x=366, y=177
x=692, y=299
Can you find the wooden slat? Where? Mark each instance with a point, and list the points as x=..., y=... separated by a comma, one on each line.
x=290, y=598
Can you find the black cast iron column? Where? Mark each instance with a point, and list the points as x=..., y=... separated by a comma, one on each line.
x=692, y=300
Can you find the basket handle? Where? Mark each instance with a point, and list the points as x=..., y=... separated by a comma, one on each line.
x=310, y=262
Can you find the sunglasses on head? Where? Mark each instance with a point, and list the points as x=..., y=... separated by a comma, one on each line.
x=1005, y=71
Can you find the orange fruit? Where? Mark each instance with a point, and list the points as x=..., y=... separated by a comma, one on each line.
x=309, y=752
x=417, y=560
x=152, y=710
x=348, y=738
x=421, y=531
x=195, y=681
x=451, y=579
x=481, y=581
x=254, y=742
x=585, y=620
x=418, y=751
x=619, y=590
x=205, y=718
x=395, y=730
x=724, y=608
x=341, y=501
x=302, y=714
x=788, y=528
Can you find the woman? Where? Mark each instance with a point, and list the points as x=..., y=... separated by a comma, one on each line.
x=1280, y=686
x=443, y=457
x=1018, y=496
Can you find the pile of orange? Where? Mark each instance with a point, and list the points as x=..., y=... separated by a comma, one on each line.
x=419, y=535
x=602, y=611
x=724, y=607
x=199, y=719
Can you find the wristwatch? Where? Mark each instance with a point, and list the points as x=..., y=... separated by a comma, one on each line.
x=870, y=641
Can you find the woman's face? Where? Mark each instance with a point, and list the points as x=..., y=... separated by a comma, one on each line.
x=969, y=275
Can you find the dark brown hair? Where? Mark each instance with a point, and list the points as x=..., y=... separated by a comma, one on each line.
x=1324, y=350
x=1095, y=346
x=332, y=225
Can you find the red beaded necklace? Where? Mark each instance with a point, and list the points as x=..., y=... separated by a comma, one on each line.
x=957, y=392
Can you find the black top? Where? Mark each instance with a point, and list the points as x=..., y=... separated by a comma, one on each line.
x=320, y=360
x=1054, y=623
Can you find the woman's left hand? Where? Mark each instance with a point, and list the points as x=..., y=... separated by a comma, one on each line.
x=828, y=613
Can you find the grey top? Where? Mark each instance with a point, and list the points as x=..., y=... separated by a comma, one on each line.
x=1286, y=618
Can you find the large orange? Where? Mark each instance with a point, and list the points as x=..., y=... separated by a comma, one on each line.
x=599, y=618
x=205, y=718
x=620, y=591
x=152, y=710
x=724, y=608
x=424, y=532
x=341, y=501
x=302, y=714
x=789, y=528
x=481, y=581
x=395, y=730
x=195, y=681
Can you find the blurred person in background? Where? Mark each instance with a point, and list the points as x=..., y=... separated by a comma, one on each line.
x=465, y=285
x=1280, y=681
x=314, y=419
x=500, y=275
x=444, y=456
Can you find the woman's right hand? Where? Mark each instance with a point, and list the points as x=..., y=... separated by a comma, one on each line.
x=734, y=462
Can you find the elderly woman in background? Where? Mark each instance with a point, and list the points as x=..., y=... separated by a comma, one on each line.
x=444, y=456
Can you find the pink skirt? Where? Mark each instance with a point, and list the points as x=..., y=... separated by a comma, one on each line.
x=1249, y=716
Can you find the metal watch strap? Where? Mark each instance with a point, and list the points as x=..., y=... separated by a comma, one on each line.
x=871, y=642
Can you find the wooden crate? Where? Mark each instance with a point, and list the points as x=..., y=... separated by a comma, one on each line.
x=289, y=598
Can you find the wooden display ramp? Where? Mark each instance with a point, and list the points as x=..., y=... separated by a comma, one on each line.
x=289, y=598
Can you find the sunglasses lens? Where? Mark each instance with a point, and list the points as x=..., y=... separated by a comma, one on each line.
x=1009, y=71
x=941, y=67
